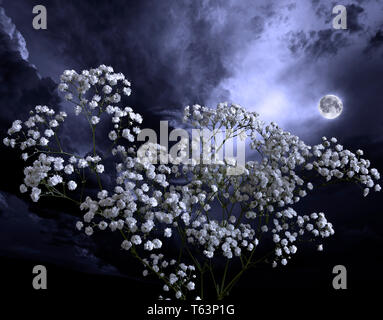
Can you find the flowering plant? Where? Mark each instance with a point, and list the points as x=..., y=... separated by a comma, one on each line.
x=151, y=203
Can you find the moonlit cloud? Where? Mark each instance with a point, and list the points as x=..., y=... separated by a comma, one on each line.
x=9, y=28
x=283, y=71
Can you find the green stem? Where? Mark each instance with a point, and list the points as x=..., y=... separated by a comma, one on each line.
x=224, y=275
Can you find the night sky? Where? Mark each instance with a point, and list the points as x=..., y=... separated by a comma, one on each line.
x=274, y=57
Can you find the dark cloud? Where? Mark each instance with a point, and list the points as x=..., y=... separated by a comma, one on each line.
x=257, y=24
x=20, y=86
x=167, y=49
x=323, y=9
x=21, y=89
x=49, y=238
x=375, y=42
x=354, y=17
x=355, y=14
x=318, y=43
x=315, y=44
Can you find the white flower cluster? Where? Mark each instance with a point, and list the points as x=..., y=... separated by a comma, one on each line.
x=102, y=80
x=33, y=137
x=267, y=188
x=226, y=235
x=99, y=90
x=288, y=226
x=342, y=163
x=137, y=204
x=233, y=117
x=178, y=277
x=36, y=131
x=151, y=202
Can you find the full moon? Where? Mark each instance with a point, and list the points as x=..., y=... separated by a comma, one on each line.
x=330, y=106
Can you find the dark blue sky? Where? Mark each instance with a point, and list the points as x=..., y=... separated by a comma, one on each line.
x=275, y=57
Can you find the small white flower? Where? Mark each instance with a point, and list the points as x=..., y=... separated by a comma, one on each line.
x=77, y=110
x=82, y=163
x=157, y=243
x=107, y=89
x=190, y=286
x=72, y=185
x=69, y=96
x=243, y=135
x=72, y=160
x=16, y=127
x=112, y=135
x=127, y=91
x=44, y=141
x=53, y=123
x=127, y=135
x=126, y=245
x=102, y=225
x=68, y=169
x=93, y=104
x=79, y=225
x=99, y=168
x=168, y=232
x=148, y=245
x=94, y=120
x=88, y=231
x=136, y=239
x=49, y=133
x=55, y=180
x=359, y=152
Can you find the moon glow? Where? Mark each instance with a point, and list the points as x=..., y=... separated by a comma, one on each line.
x=330, y=106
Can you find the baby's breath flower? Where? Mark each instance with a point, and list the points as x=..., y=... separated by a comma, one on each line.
x=257, y=197
x=94, y=120
x=72, y=185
